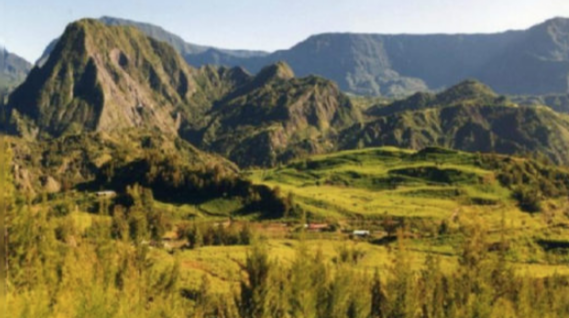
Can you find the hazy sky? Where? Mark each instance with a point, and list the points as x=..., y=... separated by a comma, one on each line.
x=27, y=26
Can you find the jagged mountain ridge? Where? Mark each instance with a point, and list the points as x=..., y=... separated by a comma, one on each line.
x=529, y=62
x=129, y=80
x=103, y=78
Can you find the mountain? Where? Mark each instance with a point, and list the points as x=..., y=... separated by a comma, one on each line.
x=187, y=50
x=537, y=63
x=528, y=62
x=534, y=61
x=274, y=117
x=108, y=79
x=468, y=116
x=392, y=65
x=467, y=92
x=101, y=78
x=13, y=70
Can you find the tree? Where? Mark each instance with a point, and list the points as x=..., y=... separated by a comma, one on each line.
x=195, y=237
x=378, y=298
x=6, y=204
x=302, y=294
x=138, y=225
x=159, y=223
x=403, y=300
x=255, y=287
x=120, y=223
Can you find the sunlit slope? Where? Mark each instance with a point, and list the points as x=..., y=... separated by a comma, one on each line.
x=372, y=183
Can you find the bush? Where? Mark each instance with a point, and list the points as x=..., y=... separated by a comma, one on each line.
x=528, y=199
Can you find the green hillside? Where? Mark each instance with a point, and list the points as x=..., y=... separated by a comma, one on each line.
x=469, y=117
x=274, y=117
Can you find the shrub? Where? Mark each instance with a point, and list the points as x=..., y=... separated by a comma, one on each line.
x=528, y=199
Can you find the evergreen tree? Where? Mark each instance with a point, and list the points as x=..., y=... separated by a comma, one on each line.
x=303, y=297
x=120, y=224
x=402, y=292
x=256, y=287
x=6, y=206
x=138, y=225
x=379, y=299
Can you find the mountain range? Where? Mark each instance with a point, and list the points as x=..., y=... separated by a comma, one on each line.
x=111, y=79
x=530, y=62
x=187, y=50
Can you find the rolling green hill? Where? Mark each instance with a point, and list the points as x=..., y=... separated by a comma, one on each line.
x=431, y=183
x=468, y=117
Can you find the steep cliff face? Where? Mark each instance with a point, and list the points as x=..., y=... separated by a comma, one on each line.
x=538, y=63
x=533, y=61
x=101, y=78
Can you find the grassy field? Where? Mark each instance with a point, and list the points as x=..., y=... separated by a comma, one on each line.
x=373, y=183
x=421, y=192
x=362, y=188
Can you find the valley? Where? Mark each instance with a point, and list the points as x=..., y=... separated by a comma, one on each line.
x=134, y=183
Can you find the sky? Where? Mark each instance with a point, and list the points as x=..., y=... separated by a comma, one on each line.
x=27, y=26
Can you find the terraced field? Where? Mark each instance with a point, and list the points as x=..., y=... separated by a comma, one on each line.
x=373, y=183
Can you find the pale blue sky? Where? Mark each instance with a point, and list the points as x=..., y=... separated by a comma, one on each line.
x=27, y=26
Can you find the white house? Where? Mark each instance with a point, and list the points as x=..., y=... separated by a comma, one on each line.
x=361, y=233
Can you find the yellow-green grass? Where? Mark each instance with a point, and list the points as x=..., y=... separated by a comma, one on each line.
x=374, y=184
x=223, y=264
x=377, y=182
x=217, y=208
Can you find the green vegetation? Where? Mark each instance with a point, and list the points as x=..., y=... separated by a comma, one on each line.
x=447, y=240
x=274, y=117
x=468, y=117
x=109, y=79
x=111, y=212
